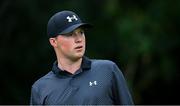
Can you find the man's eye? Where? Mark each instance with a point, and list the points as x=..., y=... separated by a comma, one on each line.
x=68, y=34
x=81, y=32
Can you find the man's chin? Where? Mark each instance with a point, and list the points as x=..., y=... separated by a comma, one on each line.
x=77, y=57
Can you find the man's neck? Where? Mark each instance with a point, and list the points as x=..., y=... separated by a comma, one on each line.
x=68, y=65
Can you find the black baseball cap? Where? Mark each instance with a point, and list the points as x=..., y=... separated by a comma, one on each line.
x=64, y=22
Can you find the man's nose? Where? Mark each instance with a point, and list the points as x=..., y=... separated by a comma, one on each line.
x=78, y=37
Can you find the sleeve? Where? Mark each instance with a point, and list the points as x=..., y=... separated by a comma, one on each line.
x=120, y=89
x=35, y=97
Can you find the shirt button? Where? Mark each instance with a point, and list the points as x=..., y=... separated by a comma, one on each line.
x=73, y=76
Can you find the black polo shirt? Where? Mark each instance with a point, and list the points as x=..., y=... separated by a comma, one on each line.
x=97, y=82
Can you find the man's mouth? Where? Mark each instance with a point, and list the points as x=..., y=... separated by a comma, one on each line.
x=79, y=47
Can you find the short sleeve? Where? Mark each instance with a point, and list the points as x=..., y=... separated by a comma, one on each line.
x=35, y=97
x=120, y=89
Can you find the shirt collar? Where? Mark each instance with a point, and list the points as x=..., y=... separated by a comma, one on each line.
x=86, y=65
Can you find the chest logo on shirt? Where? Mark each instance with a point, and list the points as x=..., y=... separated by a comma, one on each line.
x=93, y=83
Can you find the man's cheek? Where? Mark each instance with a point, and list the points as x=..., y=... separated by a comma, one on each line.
x=67, y=46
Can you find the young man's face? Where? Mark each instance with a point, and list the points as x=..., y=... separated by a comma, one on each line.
x=71, y=45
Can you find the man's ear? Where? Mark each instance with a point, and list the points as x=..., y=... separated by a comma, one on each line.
x=53, y=42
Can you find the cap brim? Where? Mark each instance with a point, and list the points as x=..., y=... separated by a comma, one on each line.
x=73, y=27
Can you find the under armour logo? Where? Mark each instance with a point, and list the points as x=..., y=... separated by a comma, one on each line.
x=92, y=83
x=71, y=18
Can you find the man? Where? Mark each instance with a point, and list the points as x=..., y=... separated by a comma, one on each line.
x=74, y=78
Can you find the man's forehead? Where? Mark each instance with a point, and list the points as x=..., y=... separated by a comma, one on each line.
x=78, y=29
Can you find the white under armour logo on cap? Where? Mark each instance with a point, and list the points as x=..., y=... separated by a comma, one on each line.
x=71, y=18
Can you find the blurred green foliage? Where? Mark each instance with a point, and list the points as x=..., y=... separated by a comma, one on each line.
x=141, y=36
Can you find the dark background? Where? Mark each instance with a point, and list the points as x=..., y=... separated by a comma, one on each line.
x=141, y=36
